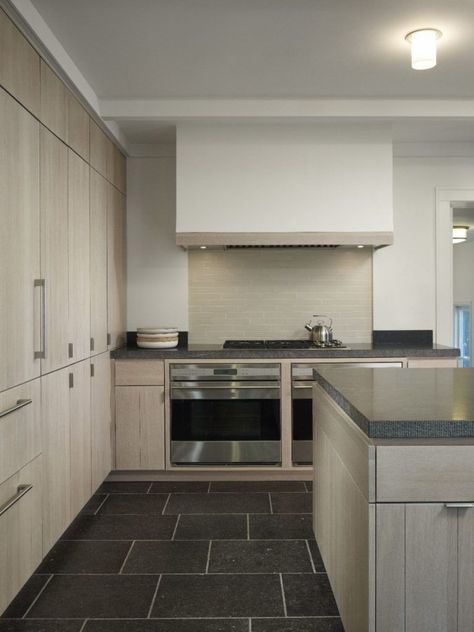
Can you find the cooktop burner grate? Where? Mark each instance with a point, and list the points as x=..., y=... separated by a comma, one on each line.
x=281, y=344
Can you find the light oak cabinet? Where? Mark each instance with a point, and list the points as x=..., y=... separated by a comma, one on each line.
x=53, y=102
x=20, y=301
x=19, y=66
x=98, y=149
x=98, y=262
x=102, y=431
x=77, y=127
x=78, y=245
x=139, y=427
x=80, y=436
x=54, y=248
x=20, y=529
x=116, y=267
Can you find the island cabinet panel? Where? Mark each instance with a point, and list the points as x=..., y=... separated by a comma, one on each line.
x=139, y=422
x=432, y=363
x=20, y=297
x=101, y=418
x=19, y=66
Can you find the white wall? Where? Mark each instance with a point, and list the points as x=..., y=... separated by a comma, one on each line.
x=157, y=269
x=284, y=178
x=404, y=274
x=463, y=276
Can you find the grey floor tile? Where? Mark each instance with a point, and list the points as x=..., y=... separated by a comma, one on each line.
x=83, y=556
x=121, y=527
x=291, y=503
x=167, y=487
x=211, y=527
x=26, y=596
x=89, y=596
x=168, y=625
x=260, y=556
x=320, y=624
x=40, y=625
x=151, y=504
x=257, y=486
x=93, y=505
x=218, y=503
x=316, y=555
x=167, y=557
x=124, y=487
x=309, y=595
x=183, y=596
x=281, y=526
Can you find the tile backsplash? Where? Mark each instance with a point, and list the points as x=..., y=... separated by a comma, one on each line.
x=271, y=293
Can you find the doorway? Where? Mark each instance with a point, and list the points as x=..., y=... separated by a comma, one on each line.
x=463, y=279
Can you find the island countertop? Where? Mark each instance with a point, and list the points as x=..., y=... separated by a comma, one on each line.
x=404, y=403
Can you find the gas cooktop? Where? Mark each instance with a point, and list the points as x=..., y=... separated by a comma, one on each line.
x=282, y=344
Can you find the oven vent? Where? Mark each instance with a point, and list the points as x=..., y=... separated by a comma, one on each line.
x=253, y=246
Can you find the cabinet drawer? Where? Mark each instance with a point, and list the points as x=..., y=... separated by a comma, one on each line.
x=20, y=427
x=139, y=373
x=20, y=529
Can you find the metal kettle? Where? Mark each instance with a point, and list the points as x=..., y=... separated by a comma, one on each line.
x=321, y=333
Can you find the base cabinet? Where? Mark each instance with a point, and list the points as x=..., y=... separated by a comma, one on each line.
x=102, y=432
x=80, y=436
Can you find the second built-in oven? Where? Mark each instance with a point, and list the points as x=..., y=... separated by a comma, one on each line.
x=224, y=414
x=302, y=404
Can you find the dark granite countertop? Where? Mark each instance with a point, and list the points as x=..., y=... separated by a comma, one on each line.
x=357, y=350
x=404, y=403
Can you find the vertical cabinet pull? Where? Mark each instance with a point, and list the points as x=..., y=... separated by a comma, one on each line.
x=41, y=354
x=70, y=349
x=21, y=490
x=92, y=344
x=20, y=403
x=92, y=370
x=71, y=380
x=109, y=339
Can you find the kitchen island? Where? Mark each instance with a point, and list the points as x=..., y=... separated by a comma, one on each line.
x=393, y=496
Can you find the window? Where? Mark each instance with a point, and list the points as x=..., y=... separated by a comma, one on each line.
x=462, y=333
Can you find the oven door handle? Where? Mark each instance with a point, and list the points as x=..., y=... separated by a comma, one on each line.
x=240, y=392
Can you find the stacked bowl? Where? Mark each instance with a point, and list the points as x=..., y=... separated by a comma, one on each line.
x=157, y=337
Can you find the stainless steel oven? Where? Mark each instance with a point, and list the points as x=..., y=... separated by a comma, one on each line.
x=302, y=404
x=225, y=414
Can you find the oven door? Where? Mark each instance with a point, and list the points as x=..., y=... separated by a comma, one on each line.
x=302, y=417
x=225, y=423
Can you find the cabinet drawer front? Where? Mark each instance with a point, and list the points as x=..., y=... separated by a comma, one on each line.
x=139, y=373
x=20, y=529
x=20, y=427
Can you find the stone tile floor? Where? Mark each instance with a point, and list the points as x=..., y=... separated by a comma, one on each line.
x=183, y=557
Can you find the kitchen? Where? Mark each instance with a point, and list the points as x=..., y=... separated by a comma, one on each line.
x=272, y=227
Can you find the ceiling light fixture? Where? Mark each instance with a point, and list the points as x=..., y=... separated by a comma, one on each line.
x=423, y=48
x=203, y=247
x=360, y=246
x=459, y=234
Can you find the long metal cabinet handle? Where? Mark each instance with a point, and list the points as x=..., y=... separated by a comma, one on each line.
x=41, y=283
x=19, y=404
x=459, y=505
x=21, y=490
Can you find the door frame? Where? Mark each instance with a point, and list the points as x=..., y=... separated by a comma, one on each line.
x=444, y=259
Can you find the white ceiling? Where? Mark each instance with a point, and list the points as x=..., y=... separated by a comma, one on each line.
x=135, y=51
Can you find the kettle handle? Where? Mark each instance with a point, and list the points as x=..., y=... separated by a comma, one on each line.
x=323, y=316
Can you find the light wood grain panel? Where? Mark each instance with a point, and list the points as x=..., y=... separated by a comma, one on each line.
x=116, y=267
x=80, y=436
x=77, y=127
x=56, y=455
x=19, y=244
x=54, y=247
x=432, y=363
x=98, y=148
x=425, y=473
x=116, y=168
x=98, y=262
x=127, y=428
x=78, y=243
x=20, y=531
x=20, y=431
x=53, y=102
x=288, y=239
x=431, y=568
x=101, y=419
x=19, y=66
x=390, y=586
x=465, y=569
x=139, y=372
x=152, y=432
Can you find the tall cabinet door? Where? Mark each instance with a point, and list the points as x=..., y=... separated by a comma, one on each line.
x=101, y=418
x=20, y=333
x=56, y=455
x=466, y=569
x=80, y=435
x=98, y=261
x=54, y=248
x=116, y=267
x=78, y=242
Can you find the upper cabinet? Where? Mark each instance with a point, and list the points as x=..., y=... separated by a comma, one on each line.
x=116, y=267
x=53, y=102
x=78, y=127
x=19, y=66
x=22, y=294
x=99, y=148
x=98, y=261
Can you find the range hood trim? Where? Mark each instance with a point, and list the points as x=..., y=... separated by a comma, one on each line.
x=376, y=239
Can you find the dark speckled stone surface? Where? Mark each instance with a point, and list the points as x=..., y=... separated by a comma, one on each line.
x=358, y=350
x=404, y=403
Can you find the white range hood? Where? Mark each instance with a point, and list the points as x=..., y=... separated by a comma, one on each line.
x=284, y=185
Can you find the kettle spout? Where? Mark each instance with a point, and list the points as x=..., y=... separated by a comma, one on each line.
x=308, y=327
